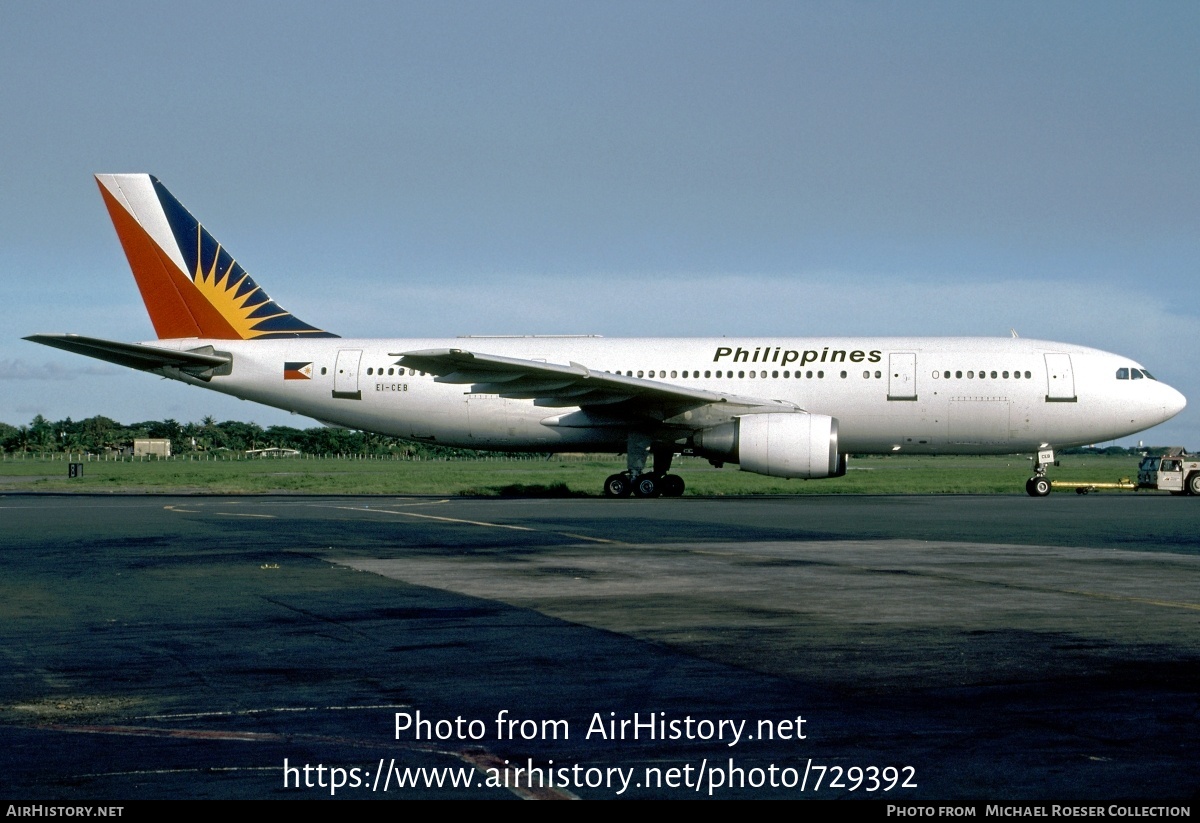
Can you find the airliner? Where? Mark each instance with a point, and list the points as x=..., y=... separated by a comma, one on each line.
x=791, y=407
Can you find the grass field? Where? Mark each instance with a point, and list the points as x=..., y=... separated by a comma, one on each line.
x=560, y=476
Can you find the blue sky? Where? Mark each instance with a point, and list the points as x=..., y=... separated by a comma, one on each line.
x=433, y=169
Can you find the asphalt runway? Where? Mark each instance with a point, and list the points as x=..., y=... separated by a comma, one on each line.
x=902, y=648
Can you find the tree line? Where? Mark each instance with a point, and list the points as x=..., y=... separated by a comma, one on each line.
x=97, y=435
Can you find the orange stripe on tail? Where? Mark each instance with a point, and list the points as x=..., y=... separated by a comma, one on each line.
x=157, y=277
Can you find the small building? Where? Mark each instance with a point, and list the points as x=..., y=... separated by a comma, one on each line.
x=158, y=446
x=274, y=451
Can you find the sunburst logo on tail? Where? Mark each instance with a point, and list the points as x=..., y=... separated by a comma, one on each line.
x=225, y=285
x=192, y=287
x=231, y=291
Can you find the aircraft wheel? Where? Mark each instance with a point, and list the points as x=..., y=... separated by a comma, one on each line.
x=672, y=485
x=1193, y=483
x=647, y=485
x=1037, y=487
x=617, y=485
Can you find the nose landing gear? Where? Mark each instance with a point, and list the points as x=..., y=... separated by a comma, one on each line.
x=1039, y=484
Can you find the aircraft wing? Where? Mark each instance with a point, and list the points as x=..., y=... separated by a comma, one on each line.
x=563, y=386
x=133, y=355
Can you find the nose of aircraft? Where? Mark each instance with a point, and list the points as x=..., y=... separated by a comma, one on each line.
x=1173, y=402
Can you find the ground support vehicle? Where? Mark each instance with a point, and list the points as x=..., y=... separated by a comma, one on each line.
x=1175, y=472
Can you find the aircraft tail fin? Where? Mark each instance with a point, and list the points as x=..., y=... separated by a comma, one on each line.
x=191, y=285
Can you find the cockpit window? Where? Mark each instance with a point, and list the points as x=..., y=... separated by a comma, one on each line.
x=1134, y=374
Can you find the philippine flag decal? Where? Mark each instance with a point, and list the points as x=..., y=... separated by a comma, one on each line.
x=297, y=371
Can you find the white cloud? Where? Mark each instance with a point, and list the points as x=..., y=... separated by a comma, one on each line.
x=23, y=370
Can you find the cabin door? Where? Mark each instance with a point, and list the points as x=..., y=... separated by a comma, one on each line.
x=902, y=376
x=1060, y=379
x=345, y=375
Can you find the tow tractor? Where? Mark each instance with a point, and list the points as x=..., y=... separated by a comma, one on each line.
x=1176, y=472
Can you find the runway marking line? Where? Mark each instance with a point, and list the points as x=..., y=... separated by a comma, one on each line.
x=592, y=539
x=1169, y=604
x=481, y=523
x=1120, y=598
x=246, y=712
x=481, y=759
x=436, y=517
x=222, y=514
x=186, y=734
x=484, y=761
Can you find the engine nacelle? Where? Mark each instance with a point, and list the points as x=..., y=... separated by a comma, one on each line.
x=775, y=444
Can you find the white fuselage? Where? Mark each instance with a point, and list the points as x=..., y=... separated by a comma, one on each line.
x=912, y=394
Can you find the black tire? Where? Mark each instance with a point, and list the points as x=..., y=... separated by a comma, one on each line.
x=647, y=485
x=617, y=485
x=672, y=485
x=1193, y=483
x=1038, y=487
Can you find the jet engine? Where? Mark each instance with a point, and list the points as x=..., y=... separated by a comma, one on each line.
x=775, y=444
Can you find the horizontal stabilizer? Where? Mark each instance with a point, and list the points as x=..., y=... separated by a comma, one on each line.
x=132, y=355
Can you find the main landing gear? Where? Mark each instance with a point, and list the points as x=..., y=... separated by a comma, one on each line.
x=636, y=480
x=649, y=484
x=1039, y=484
